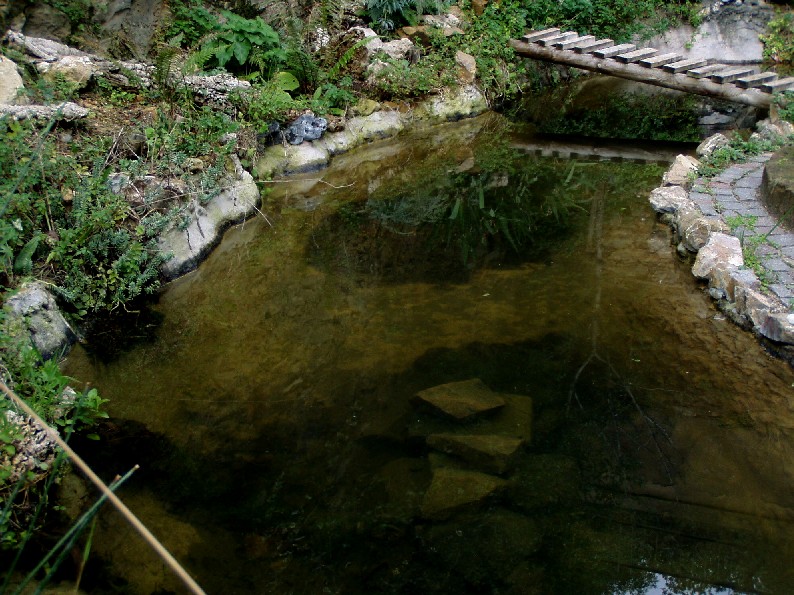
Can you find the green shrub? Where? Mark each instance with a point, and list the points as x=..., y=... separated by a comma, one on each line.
x=386, y=15
x=779, y=39
x=244, y=46
x=190, y=22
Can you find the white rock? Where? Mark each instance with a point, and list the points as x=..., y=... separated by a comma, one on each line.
x=711, y=144
x=720, y=250
x=681, y=172
x=10, y=81
x=669, y=199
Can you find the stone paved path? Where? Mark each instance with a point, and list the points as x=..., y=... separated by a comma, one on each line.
x=736, y=192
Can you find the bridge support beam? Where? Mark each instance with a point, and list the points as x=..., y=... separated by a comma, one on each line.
x=652, y=76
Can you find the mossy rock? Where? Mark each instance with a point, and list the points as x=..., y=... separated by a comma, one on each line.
x=777, y=190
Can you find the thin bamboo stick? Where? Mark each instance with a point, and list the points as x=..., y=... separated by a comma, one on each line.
x=147, y=535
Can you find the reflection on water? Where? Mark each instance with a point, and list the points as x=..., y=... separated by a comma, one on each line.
x=283, y=452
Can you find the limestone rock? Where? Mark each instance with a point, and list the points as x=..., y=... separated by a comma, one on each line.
x=377, y=125
x=669, y=199
x=75, y=69
x=488, y=452
x=463, y=102
x=442, y=21
x=278, y=160
x=726, y=279
x=757, y=307
x=721, y=249
x=37, y=312
x=10, y=81
x=777, y=186
x=695, y=229
x=188, y=246
x=453, y=490
x=681, y=172
x=44, y=49
x=215, y=88
x=461, y=400
x=66, y=111
x=711, y=144
x=364, y=107
x=467, y=67
x=779, y=327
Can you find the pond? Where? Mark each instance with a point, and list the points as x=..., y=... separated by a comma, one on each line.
x=270, y=396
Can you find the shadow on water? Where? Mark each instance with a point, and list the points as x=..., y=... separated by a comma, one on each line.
x=641, y=443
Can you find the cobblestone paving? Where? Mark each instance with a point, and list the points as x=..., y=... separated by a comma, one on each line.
x=736, y=192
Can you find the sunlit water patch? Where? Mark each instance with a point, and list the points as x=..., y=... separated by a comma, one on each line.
x=642, y=443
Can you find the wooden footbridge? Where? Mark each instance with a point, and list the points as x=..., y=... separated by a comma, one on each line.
x=741, y=84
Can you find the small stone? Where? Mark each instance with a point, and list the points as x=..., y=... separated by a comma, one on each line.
x=193, y=165
x=756, y=306
x=453, y=490
x=490, y=453
x=461, y=400
x=36, y=308
x=365, y=107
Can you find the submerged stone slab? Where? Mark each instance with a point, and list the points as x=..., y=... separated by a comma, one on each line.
x=461, y=400
x=453, y=490
x=488, y=452
x=514, y=420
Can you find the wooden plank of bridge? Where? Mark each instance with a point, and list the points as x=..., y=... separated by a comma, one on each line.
x=550, y=41
x=568, y=45
x=614, y=50
x=779, y=85
x=661, y=60
x=593, y=46
x=755, y=80
x=636, y=55
x=731, y=75
x=536, y=35
x=684, y=65
x=699, y=73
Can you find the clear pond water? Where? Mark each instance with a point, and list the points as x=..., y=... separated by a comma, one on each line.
x=268, y=396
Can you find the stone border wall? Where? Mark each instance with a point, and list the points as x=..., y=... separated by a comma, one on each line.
x=696, y=210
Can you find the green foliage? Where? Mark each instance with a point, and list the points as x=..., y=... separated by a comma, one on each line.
x=616, y=19
x=631, y=116
x=389, y=14
x=245, y=46
x=784, y=102
x=400, y=79
x=779, y=38
x=268, y=101
x=737, y=151
x=54, y=89
x=190, y=22
x=112, y=94
x=500, y=73
x=333, y=99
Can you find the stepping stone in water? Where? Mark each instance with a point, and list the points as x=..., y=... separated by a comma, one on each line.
x=461, y=400
x=453, y=490
x=514, y=419
x=487, y=452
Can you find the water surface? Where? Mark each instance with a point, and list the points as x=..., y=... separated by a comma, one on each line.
x=268, y=395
